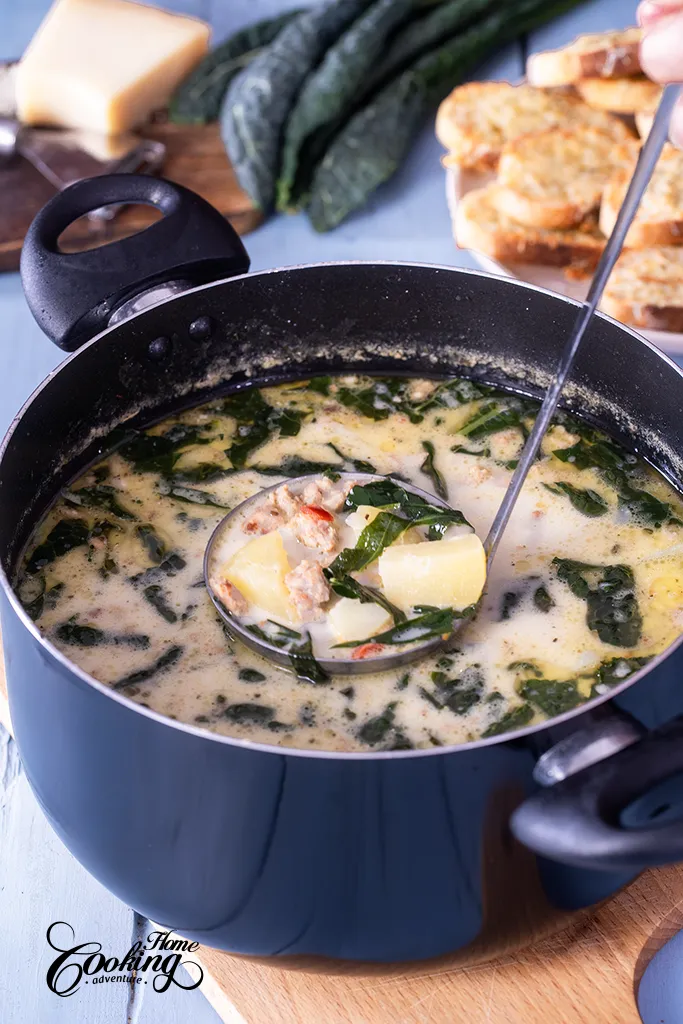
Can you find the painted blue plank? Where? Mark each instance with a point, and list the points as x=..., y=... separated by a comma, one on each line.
x=41, y=883
x=593, y=16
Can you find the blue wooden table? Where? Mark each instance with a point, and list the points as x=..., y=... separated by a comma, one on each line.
x=39, y=880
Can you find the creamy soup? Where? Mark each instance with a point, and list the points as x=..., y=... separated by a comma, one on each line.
x=587, y=584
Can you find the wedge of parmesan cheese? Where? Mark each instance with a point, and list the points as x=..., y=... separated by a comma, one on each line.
x=105, y=65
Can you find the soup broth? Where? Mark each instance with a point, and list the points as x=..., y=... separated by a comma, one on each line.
x=587, y=584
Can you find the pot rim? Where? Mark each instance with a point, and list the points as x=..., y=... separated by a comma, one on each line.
x=83, y=677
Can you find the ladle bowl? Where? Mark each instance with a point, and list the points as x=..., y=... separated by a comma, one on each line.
x=344, y=664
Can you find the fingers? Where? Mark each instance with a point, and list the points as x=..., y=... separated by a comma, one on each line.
x=661, y=51
x=650, y=11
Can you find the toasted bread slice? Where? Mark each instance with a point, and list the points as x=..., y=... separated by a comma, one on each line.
x=659, y=220
x=478, y=118
x=620, y=95
x=603, y=55
x=646, y=289
x=644, y=123
x=480, y=226
x=554, y=179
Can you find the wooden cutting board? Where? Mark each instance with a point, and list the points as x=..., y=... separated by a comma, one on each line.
x=195, y=158
x=588, y=974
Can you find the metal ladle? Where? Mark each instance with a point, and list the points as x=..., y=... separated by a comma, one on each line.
x=647, y=160
x=335, y=666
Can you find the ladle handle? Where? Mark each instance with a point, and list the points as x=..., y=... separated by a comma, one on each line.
x=649, y=155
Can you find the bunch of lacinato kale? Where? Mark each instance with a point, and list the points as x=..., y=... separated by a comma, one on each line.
x=318, y=107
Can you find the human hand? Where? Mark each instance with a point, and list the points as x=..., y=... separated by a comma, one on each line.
x=661, y=51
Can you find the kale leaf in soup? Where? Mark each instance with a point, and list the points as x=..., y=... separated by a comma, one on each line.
x=587, y=585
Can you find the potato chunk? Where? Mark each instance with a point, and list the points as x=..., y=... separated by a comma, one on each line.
x=258, y=570
x=365, y=514
x=446, y=573
x=351, y=620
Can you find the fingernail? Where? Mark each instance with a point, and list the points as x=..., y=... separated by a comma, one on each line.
x=661, y=51
x=651, y=11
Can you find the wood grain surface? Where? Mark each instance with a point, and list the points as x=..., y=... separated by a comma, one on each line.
x=591, y=970
x=195, y=158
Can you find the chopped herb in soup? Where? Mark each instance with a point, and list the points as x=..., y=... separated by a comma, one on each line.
x=587, y=584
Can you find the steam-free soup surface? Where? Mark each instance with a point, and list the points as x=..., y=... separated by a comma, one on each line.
x=587, y=584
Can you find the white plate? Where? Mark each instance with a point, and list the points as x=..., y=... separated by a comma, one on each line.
x=459, y=182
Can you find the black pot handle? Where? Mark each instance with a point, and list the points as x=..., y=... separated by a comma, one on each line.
x=581, y=819
x=72, y=295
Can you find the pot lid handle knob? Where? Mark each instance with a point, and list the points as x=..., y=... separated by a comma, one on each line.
x=73, y=295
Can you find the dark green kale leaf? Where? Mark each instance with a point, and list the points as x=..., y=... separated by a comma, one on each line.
x=499, y=415
x=384, y=529
x=141, y=675
x=423, y=627
x=202, y=473
x=189, y=494
x=275, y=633
x=613, y=611
x=359, y=465
x=64, y=536
x=77, y=635
x=251, y=675
x=428, y=467
x=257, y=422
x=347, y=586
x=509, y=601
x=288, y=420
x=550, y=696
x=386, y=494
x=620, y=470
x=329, y=93
x=612, y=607
x=587, y=501
x=153, y=544
x=249, y=714
x=35, y=603
x=99, y=496
x=199, y=97
x=158, y=453
x=367, y=402
x=451, y=394
x=376, y=729
x=542, y=599
x=170, y=566
x=374, y=141
x=319, y=385
x=246, y=405
x=294, y=465
x=600, y=454
x=516, y=718
x=438, y=22
x=460, y=694
x=525, y=666
x=154, y=595
x=645, y=507
x=259, y=100
x=484, y=453
x=615, y=671
x=304, y=663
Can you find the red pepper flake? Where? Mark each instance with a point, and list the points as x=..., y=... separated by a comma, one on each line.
x=316, y=512
x=366, y=651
